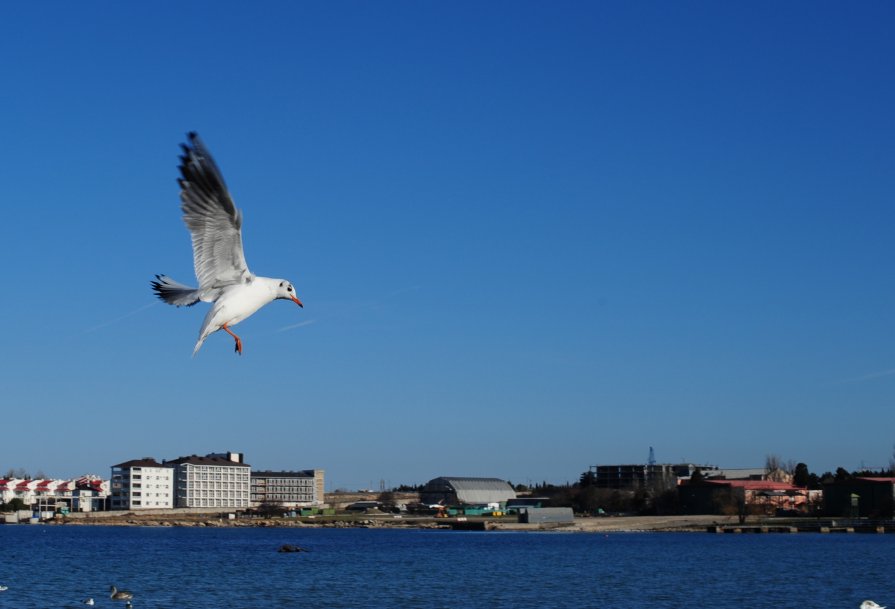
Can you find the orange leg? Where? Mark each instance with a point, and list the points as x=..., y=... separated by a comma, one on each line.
x=238, y=342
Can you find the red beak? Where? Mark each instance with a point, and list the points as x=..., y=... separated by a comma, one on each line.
x=297, y=301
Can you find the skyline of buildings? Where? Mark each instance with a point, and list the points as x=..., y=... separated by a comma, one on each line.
x=216, y=480
x=224, y=480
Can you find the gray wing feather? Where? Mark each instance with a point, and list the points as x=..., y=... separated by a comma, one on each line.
x=212, y=219
x=173, y=292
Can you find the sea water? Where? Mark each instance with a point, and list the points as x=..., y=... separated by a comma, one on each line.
x=60, y=566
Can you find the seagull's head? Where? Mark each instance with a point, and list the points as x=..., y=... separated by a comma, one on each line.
x=287, y=292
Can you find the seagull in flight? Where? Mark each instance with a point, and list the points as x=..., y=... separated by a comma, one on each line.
x=215, y=225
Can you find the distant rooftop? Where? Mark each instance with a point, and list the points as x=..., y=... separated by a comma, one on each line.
x=144, y=462
x=211, y=460
x=305, y=473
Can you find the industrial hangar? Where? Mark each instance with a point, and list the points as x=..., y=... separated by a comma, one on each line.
x=447, y=490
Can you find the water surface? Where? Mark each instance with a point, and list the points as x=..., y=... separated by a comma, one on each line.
x=53, y=566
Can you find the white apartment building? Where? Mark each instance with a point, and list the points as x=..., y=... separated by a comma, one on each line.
x=213, y=481
x=142, y=484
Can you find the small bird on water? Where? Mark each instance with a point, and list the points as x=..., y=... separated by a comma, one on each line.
x=215, y=225
x=871, y=605
x=88, y=601
x=121, y=595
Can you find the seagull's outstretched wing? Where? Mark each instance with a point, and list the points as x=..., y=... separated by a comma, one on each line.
x=213, y=220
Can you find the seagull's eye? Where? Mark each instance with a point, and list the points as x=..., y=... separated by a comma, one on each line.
x=289, y=289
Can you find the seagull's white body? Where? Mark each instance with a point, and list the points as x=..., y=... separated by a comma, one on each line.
x=89, y=601
x=215, y=225
x=870, y=605
x=238, y=302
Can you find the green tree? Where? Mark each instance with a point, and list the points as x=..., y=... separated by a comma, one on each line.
x=410, y=488
x=814, y=482
x=269, y=508
x=561, y=496
x=640, y=501
x=387, y=499
x=588, y=501
x=588, y=478
x=13, y=505
x=801, y=475
x=667, y=502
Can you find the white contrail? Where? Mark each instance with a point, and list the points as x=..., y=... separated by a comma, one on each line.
x=870, y=376
x=294, y=326
x=402, y=290
x=117, y=319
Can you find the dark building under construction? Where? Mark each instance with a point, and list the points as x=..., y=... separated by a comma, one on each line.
x=656, y=475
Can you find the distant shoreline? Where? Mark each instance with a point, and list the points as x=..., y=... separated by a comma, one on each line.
x=216, y=520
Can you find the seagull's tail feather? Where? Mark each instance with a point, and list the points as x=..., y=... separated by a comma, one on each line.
x=173, y=292
x=198, y=345
x=208, y=327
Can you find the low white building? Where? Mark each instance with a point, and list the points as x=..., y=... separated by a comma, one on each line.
x=142, y=484
x=83, y=494
x=18, y=488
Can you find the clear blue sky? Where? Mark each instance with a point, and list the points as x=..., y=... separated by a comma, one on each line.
x=530, y=237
